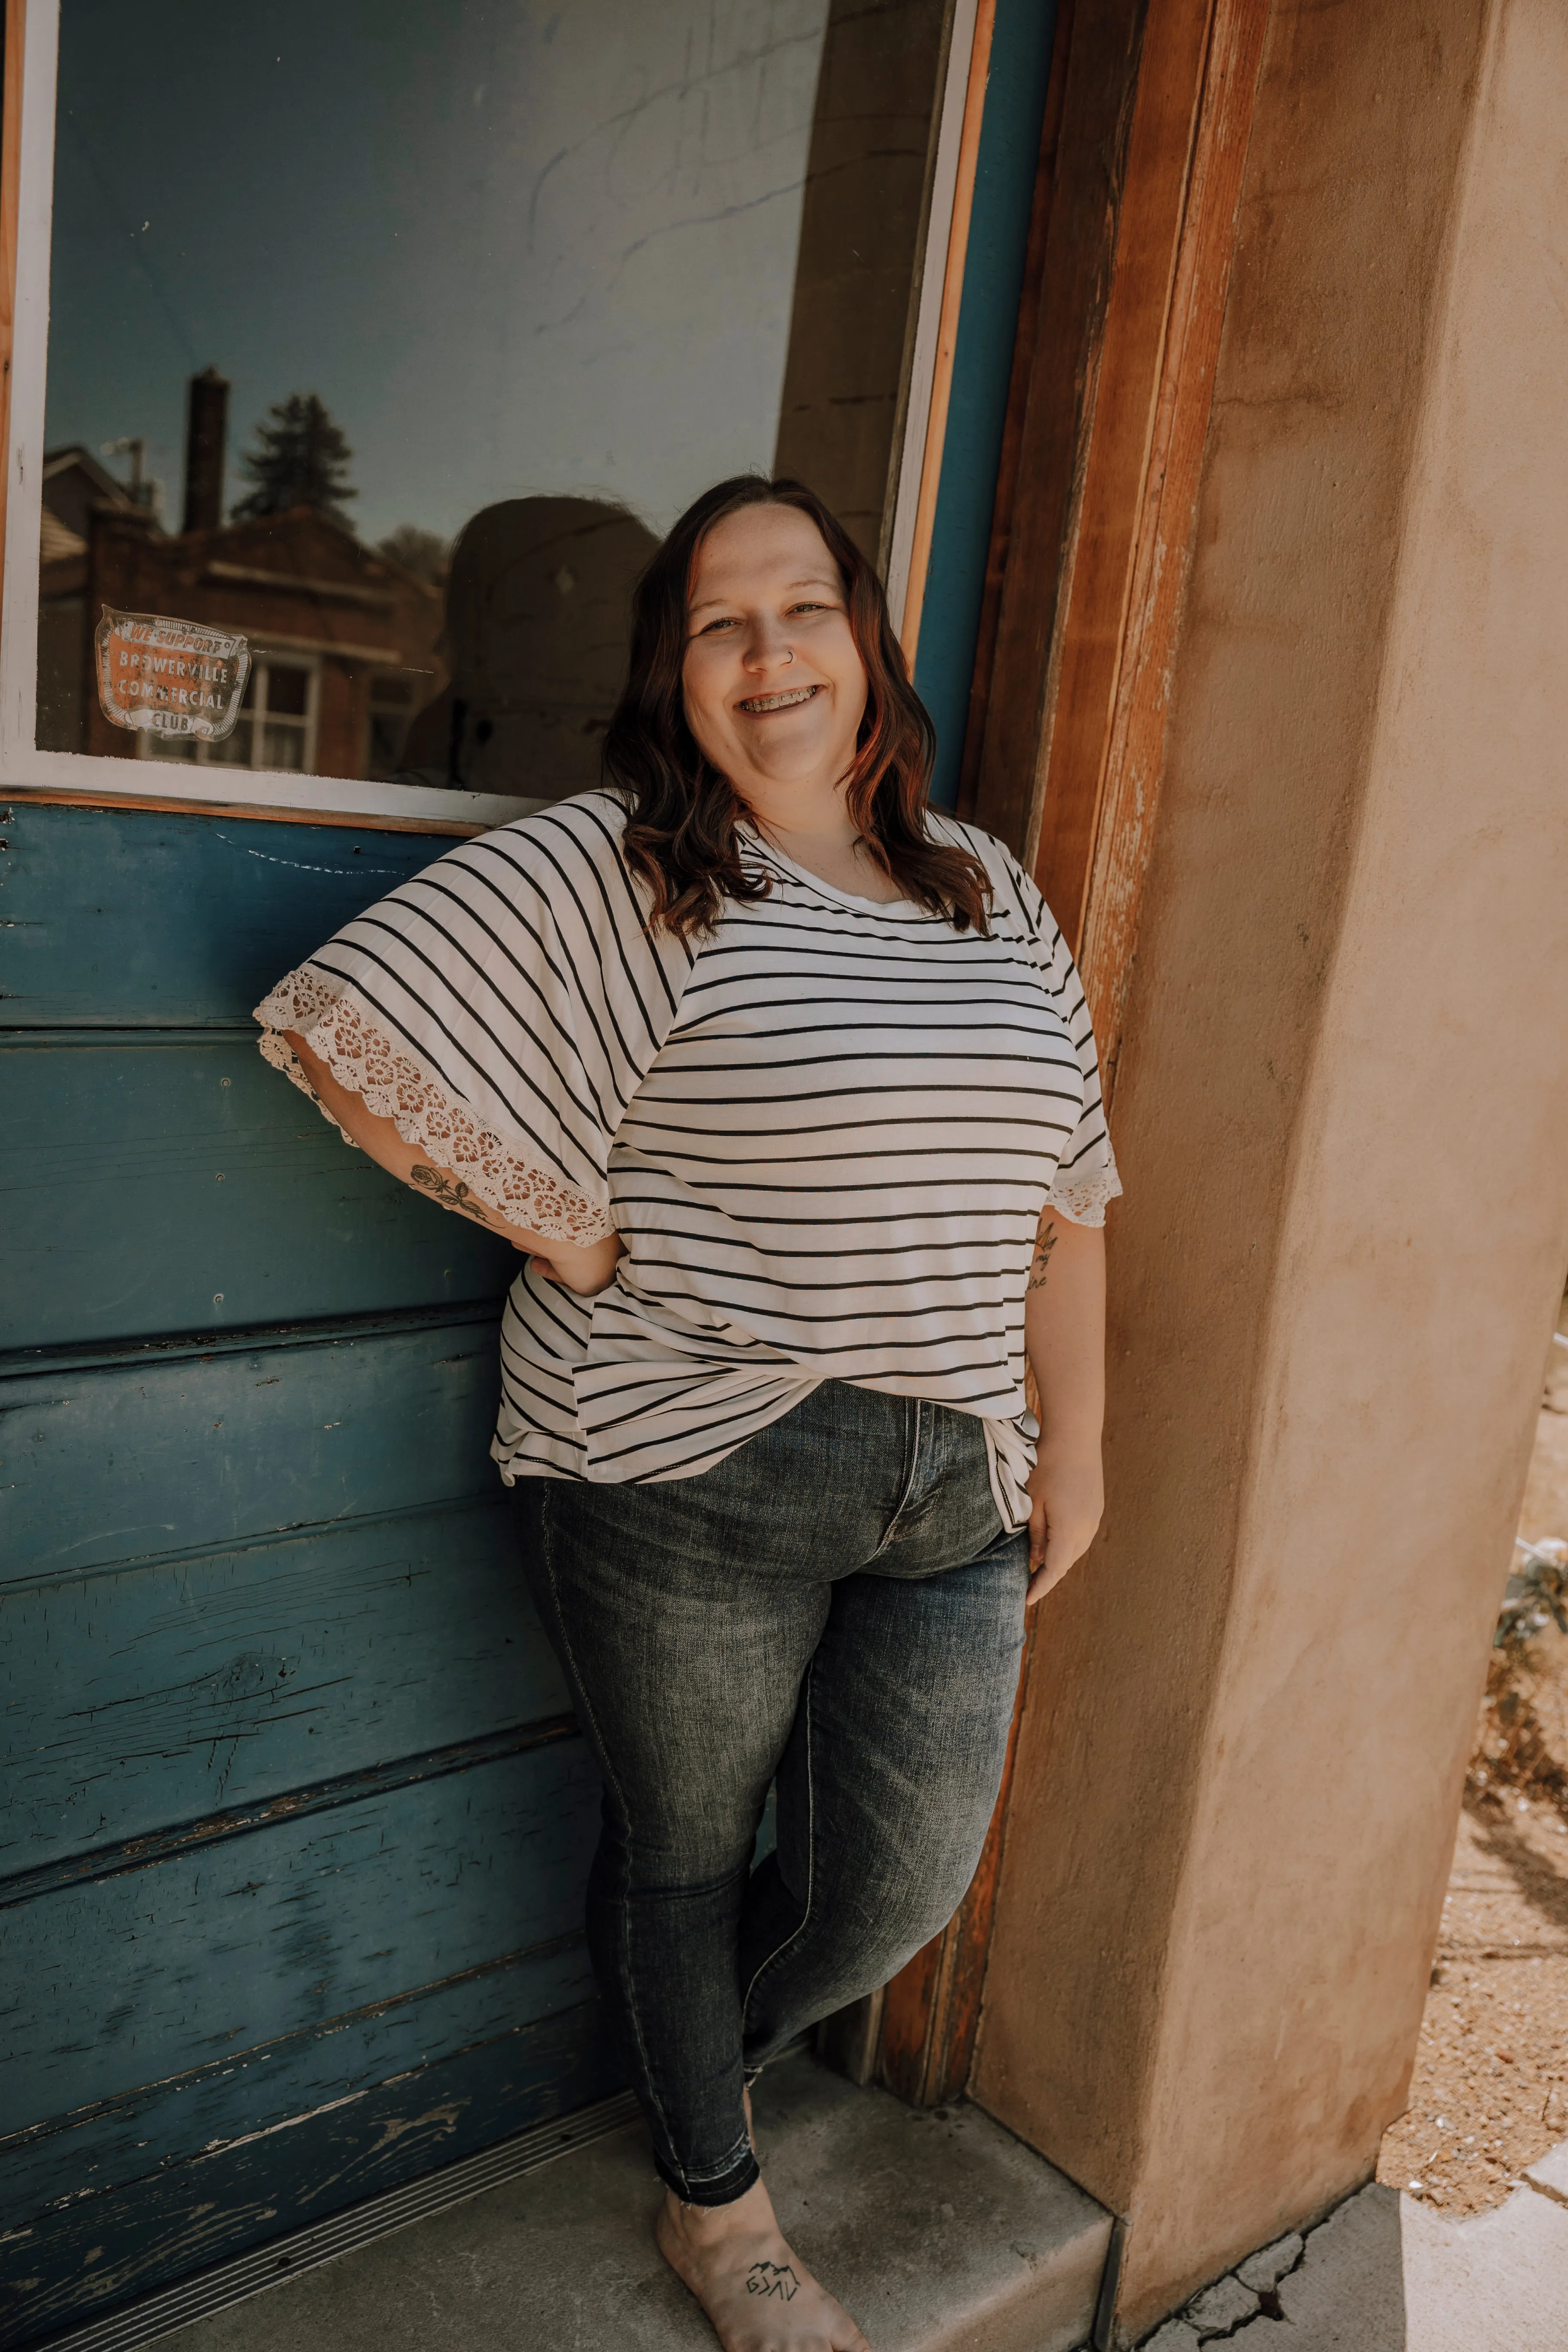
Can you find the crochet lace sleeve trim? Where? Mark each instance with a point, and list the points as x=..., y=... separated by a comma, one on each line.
x=1082, y=1198
x=393, y=1085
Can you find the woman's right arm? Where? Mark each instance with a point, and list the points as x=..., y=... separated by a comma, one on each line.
x=583, y=1270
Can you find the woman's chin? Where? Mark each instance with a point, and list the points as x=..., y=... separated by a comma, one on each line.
x=796, y=756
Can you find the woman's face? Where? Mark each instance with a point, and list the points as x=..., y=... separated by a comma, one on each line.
x=775, y=688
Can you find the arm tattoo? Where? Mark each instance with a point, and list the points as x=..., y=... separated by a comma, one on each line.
x=770, y=2278
x=450, y=1194
x=1044, y=1246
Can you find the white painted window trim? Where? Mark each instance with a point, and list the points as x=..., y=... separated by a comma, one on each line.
x=928, y=318
x=82, y=776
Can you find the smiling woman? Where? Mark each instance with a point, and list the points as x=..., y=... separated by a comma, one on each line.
x=766, y=683
x=785, y=1085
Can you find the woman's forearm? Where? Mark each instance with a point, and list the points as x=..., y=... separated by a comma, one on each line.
x=1064, y=1333
x=1064, y=1329
x=581, y=1270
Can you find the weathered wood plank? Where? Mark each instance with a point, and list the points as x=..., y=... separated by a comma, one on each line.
x=149, y=1697
x=119, y=915
x=1084, y=649
x=1162, y=547
x=127, y=1980
x=119, y=1462
x=119, y=2141
x=1063, y=367
x=148, y=1187
x=100, y=2251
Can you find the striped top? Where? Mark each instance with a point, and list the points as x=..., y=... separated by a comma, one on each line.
x=824, y=1132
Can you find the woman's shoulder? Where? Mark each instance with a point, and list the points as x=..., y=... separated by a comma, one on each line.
x=1011, y=885
x=562, y=870
x=590, y=823
x=1018, y=908
x=568, y=851
x=954, y=834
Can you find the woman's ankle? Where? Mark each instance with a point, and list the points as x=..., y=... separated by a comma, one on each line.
x=707, y=2224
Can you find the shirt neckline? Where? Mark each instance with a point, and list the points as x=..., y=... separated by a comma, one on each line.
x=805, y=873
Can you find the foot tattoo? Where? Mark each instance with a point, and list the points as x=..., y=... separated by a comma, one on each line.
x=770, y=2278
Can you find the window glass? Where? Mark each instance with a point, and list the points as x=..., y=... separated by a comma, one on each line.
x=384, y=343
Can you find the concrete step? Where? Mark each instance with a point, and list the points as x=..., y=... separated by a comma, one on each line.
x=940, y=2231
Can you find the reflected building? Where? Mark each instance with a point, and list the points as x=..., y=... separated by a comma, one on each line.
x=342, y=638
x=500, y=680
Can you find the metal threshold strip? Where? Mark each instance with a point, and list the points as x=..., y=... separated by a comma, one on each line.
x=322, y=2241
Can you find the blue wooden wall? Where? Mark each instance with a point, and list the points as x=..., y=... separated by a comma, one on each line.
x=298, y=1821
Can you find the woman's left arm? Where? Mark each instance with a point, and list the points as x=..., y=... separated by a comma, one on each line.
x=1064, y=1333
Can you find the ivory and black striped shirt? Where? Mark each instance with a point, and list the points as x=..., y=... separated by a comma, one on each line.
x=824, y=1132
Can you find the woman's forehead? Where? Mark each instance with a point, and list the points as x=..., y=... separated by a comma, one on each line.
x=760, y=550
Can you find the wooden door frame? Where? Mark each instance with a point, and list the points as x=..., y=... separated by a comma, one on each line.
x=10, y=209
x=1134, y=228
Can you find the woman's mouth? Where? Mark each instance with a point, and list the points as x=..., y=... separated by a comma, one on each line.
x=760, y=704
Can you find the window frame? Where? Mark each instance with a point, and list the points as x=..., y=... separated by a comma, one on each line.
x=31, y=773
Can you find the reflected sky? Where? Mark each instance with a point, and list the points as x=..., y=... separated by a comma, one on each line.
x=515, y=248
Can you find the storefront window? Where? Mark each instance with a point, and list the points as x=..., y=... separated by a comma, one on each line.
x=397, y=368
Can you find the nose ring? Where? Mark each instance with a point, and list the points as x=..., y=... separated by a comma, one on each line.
x=789, y=653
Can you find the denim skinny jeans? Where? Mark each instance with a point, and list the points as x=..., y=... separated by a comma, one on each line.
x=836, y=1606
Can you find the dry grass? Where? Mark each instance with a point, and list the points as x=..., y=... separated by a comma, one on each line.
x=1490, y=2093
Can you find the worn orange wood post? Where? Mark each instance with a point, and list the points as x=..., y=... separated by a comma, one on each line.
x=1245, y=1737
x=1080, y=645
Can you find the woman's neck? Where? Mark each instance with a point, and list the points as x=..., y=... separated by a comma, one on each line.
x=812, y=826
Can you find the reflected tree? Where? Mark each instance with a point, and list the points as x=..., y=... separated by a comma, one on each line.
x=424, y=552
x=301, y=459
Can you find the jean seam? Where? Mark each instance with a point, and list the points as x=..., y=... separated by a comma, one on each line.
x=796, y=1933
x=913, y=1473
x=624, y=1931
x=733, y=2162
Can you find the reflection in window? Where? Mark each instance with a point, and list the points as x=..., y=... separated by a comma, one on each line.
x=276, y=726
x=391, y=709
x=400, y=367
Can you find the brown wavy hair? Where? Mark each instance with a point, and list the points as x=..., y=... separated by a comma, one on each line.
x=682, y=812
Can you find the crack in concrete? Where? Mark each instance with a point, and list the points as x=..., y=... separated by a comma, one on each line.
x=1266, y=2296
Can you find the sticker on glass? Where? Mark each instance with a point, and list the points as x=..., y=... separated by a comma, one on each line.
x=177, y=677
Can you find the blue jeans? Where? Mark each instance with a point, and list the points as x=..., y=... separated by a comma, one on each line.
x=836, y=1606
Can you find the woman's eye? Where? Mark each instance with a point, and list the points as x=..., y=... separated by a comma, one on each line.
x=723, y=623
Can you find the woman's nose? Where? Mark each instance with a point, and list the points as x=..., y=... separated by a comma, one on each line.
x=766, y=647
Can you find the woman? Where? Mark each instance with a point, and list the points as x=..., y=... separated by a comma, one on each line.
x=786, y=1084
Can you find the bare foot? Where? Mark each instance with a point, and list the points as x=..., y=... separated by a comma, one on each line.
x=754, y=2288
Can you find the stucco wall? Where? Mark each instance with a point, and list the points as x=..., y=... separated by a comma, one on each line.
x=1343, y=1114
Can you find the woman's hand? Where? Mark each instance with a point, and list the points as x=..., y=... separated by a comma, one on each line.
x=585, y=1271
x=1067, y=1494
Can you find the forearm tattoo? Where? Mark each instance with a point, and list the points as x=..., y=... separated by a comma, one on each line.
x=451, y=1195
x=770, y=2278
x=1044, y=1246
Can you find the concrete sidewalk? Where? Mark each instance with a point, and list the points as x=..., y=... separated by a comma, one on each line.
x=1385, y=2273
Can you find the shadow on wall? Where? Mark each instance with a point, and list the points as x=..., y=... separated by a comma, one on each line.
x=535, y=638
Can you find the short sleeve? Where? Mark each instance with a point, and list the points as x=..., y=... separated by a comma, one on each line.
x=1086, y=1177
x=500, y=1008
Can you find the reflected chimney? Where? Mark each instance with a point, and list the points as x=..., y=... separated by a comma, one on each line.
x=206, y=449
